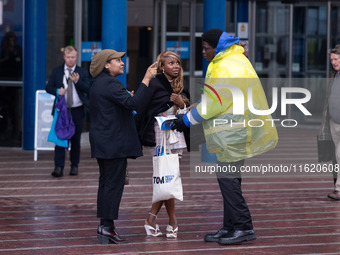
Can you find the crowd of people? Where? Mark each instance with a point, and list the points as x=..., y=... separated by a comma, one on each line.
x=117, y=134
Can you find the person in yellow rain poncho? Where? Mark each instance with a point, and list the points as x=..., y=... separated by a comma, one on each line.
x=235, y=128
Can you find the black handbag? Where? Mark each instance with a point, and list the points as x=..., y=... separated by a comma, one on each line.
x=326, y=150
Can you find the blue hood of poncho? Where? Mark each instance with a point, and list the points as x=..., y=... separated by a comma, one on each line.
x=225, y=42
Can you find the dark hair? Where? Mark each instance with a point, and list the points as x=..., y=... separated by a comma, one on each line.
x=212, y=36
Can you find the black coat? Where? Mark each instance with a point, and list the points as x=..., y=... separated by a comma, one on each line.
x=82, y=86
x=113, y=132
x=157, y=101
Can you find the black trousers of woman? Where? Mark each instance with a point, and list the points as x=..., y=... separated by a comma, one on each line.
x=111, y=185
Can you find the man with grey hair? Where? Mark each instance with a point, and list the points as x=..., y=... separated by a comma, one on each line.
x=334, y=113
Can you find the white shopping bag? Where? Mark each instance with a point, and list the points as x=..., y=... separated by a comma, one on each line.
x=166, y=179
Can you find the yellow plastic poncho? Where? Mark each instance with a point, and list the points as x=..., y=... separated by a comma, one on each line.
x=233, y=137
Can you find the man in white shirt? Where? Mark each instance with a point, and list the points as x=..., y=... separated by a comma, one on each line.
x=73, y=82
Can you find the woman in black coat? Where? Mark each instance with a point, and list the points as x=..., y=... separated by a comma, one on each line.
x=113, y=135
x=168, y=94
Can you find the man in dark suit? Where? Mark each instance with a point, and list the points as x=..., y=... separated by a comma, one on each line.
x=73, y=82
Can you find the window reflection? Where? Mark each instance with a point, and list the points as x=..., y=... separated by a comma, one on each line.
x=335, y=25
x=11, y=60
x=272, y=30
x=10, y=57
x=310, y=41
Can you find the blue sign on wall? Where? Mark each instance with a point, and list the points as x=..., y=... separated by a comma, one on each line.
x=89, y=49
x=182, y=49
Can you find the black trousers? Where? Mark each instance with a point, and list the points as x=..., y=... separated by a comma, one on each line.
x=59, y=152
x=112, y=174
x=236, y=212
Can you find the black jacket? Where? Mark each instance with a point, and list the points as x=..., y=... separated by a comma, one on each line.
x=157, y=101
x=113, y=132
x=82, y=86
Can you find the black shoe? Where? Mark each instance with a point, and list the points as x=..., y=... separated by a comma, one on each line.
x=335, y=195
x=214, y=237
x=58, y=171
x=237, y=236
x=99, y=229
x=74, y=170
x=107, y=235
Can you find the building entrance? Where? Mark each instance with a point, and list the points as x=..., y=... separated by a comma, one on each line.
x=292, y=41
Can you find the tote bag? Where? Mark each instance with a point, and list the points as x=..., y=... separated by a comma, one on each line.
x=64, y=127
x=166, y=179
x=52, y=137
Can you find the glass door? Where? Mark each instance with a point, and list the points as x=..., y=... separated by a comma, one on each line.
x=271, y=39
x=309, y=40
x=291, y=42
x=310, y=53
x=175, y=31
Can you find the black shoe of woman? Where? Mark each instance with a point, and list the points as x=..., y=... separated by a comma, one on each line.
x=108, y=235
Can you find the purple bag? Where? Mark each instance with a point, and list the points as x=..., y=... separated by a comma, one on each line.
x=64, y=127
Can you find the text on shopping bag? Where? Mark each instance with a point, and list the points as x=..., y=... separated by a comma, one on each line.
x=163, y=179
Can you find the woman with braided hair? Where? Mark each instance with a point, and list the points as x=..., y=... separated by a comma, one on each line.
x=168, y=94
